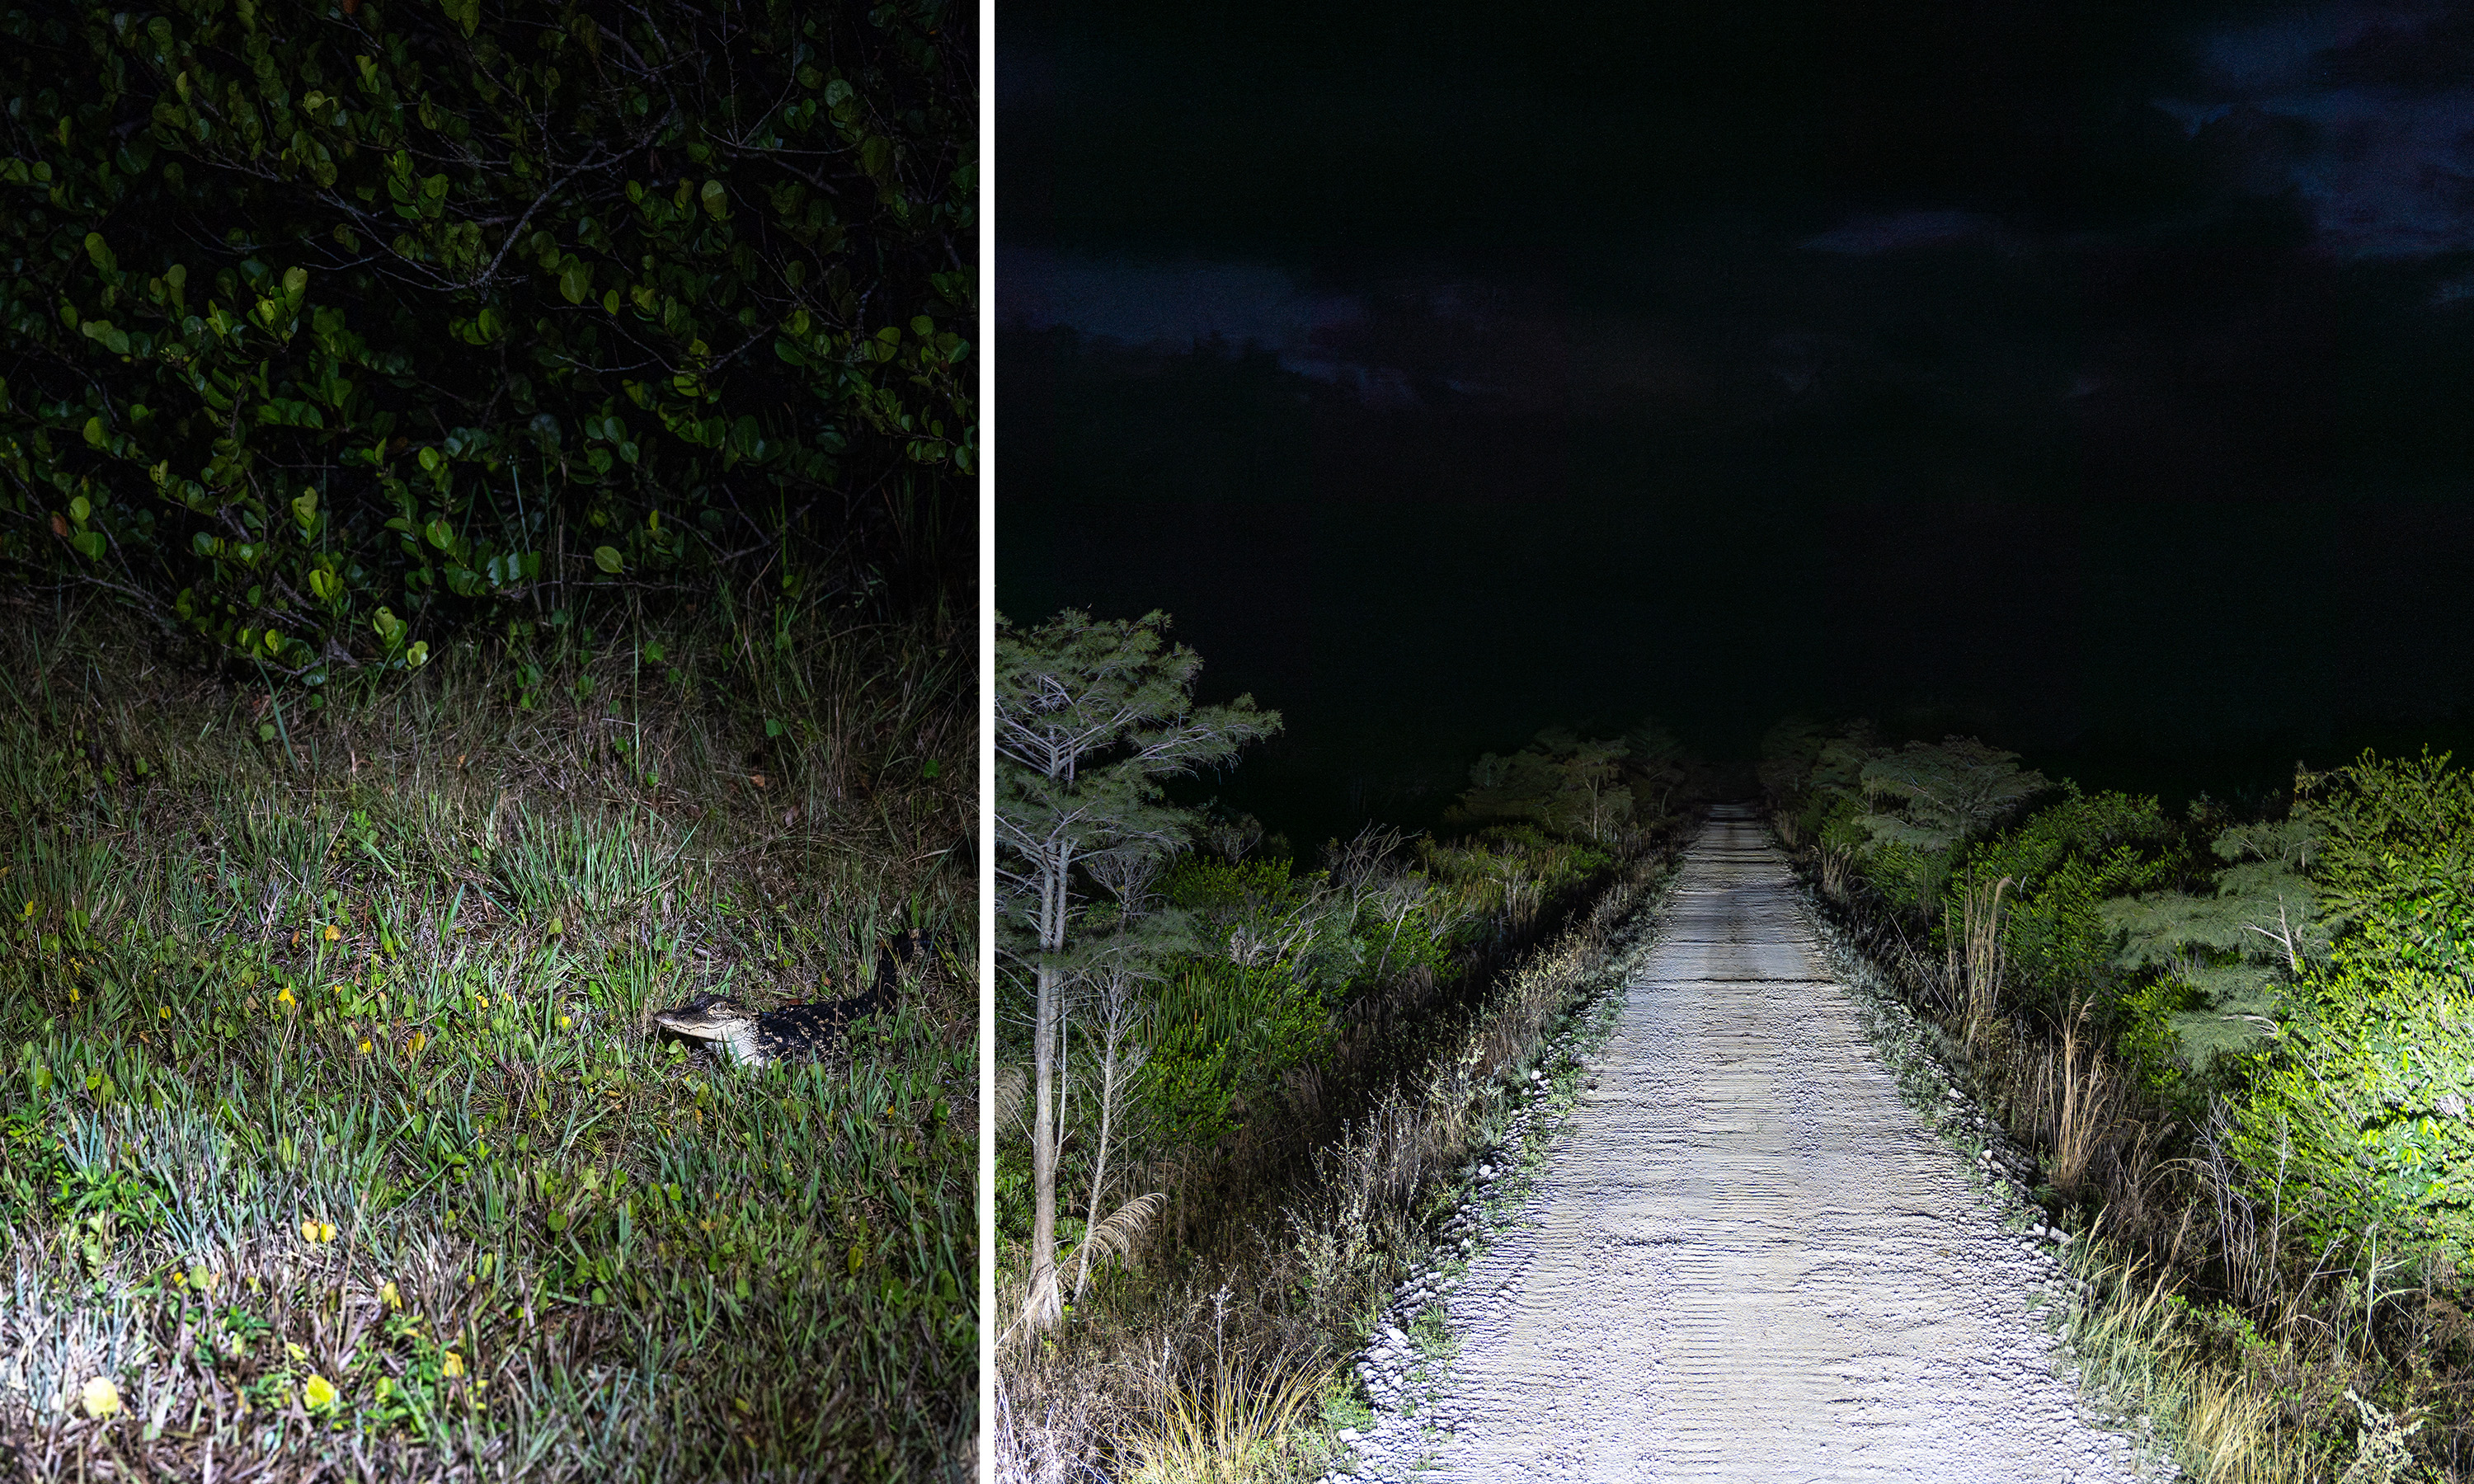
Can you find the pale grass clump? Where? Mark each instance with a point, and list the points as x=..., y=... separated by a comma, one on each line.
x=2140, y=1348
x=2076, y=1102
x=1234, y=1426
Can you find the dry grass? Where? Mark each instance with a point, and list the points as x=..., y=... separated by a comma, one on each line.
x=2076, y=1105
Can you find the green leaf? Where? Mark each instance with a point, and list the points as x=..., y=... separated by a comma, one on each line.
x=441, y=535
x=94, y=433
x=304, y=509
x=574, y=281
x=89, y=544
x=716, y=201
x=607, y=559
x=80, y=509
x=466, y=13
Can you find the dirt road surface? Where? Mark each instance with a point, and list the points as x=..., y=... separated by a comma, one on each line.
x=1747, y=1259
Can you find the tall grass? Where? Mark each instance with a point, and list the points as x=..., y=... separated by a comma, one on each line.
x=334, y=1136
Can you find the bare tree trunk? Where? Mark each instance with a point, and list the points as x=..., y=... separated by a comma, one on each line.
x=1118, y=1063
x=1042, y=1309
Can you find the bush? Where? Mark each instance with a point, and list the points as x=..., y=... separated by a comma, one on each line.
x=336, y=329
x=2358, y=1125
x=2067, y=859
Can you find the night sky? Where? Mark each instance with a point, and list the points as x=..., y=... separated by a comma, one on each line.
x=2099, y=379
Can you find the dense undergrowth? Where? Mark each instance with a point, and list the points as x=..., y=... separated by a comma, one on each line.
x=1303, y=1074
x=2243, y=1049
x=337, y=1139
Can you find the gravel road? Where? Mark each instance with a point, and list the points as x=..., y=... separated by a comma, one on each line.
x=1746, y=1258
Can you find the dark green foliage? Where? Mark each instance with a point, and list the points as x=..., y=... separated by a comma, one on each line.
x=1945, y=793
x=2065, y=861
x=1213, y=887
x=2218, y=957
x=1560, y=783
x=1225, y=1031
x=335, y=329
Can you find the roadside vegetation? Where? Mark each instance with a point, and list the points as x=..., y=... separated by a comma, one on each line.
x=1234, y=1085
x=485, y=516
x=2240, y=1046
x=334, y=1137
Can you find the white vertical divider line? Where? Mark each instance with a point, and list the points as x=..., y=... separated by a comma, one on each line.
x=985, y=337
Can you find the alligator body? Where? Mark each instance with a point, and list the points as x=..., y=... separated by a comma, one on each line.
x=758, y=1038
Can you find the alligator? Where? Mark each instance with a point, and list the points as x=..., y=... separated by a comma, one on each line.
x=741, y=1033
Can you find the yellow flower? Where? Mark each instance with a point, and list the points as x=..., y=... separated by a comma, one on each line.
x=484, y=999
x=163, y=1011
x=455, y=1365
x=101, y=1397
x=564, y=1023
x=365, y=1045
x=333, y=932
x=319, y=1393
x=308, y=1230
x=387, y=1291
x=286, y=996
x=420, y=1039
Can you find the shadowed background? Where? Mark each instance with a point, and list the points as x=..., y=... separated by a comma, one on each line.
x=2091, y=378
